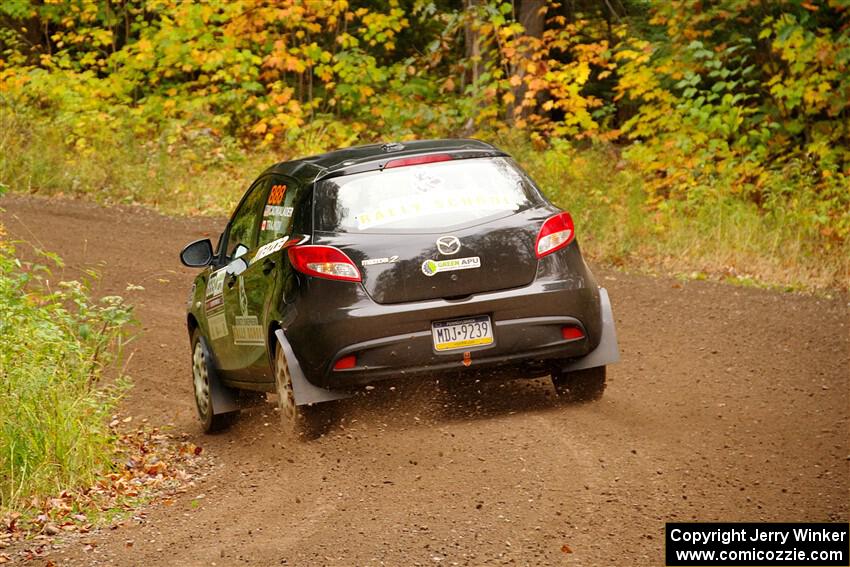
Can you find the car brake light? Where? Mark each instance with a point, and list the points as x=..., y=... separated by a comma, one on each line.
x=418, y=160
x=556, y=233
x=346, y=362
x=571, y=333
x=324, y=262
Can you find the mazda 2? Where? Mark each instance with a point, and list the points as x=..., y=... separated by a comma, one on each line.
x=388, y=261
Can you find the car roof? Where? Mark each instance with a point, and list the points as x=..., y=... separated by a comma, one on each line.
x=374, y=156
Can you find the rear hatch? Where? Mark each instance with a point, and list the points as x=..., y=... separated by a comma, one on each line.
x=447, y=229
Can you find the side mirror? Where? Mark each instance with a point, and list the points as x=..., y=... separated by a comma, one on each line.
x=198, y=254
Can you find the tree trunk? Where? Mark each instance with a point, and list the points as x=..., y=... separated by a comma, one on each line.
x=474, y=55
x=472, y=40
x=532, y=16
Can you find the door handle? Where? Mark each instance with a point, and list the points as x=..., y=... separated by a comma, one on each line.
x=268, y=266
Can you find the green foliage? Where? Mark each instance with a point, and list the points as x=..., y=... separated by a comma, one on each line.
x=749, y=104
x=547, y=83
x=728, y=239
x=53, y=406
x=739, y=104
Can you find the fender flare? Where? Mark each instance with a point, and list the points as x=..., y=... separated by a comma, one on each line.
x=304, y=391
x=608, y=350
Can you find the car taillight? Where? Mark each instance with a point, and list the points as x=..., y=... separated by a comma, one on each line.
x=324, y=262
x=418, y=160
x=556, y=233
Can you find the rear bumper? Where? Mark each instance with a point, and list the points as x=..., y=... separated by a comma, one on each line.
x=518, y=364
x=394, y=340
x=608, y=349
x=530, y=340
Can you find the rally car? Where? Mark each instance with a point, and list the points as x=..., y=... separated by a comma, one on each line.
x=389, y=261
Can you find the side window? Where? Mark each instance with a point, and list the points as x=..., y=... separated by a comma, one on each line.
x=245, y=221
x=279, y=209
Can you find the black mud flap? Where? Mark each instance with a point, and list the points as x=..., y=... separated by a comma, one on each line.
x=224, y=399
x=608, y=351
x=305, y=392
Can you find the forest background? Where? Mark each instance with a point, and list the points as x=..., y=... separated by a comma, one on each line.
x=703, y=139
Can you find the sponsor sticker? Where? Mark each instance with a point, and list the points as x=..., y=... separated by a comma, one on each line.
x=243, y=297
x=218, y=326
x=215, y=286
x=269, y=248
x=214, y=303
x=435, y=203
x=433, y=267
x=274, y=225
x=275, y=218
x=277, y=211
x=247, y=331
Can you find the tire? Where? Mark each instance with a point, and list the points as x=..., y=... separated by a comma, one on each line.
x=306, y=421
x=203, y=375
x=580, y=385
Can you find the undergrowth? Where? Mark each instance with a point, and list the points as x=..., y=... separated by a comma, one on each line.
x=198, y=172
x=54, y=402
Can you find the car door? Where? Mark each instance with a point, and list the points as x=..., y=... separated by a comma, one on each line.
x=244, y=338
x=253, y=282
x=261, y=279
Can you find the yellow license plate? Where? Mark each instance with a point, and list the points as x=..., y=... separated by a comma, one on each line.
x=462, y=333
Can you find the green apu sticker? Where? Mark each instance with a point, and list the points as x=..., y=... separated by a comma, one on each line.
x=431, y=267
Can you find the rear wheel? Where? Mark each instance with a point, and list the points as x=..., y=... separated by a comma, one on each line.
x=305, y=420
x=203, y=381
x=580, y=385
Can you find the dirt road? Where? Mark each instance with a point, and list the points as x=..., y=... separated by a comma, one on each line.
x=729, y=404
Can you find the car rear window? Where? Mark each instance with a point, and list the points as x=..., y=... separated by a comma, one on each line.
x=431, y=196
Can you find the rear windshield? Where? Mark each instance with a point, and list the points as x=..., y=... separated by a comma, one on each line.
x=431, y=196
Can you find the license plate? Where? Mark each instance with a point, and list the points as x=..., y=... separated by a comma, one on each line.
x=462, y=333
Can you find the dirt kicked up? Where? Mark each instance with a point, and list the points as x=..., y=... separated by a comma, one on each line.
x=730, y=404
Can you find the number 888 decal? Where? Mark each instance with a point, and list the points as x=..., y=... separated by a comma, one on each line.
x=276, y=196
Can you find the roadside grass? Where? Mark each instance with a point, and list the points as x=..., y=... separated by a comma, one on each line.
x=726, y=239
x=150, y=464
x=200, y=173
x=169, y=172
x=54, y=405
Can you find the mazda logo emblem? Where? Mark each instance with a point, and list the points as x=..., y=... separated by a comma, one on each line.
x=448, y=245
